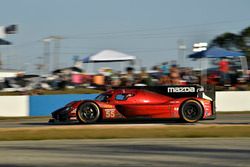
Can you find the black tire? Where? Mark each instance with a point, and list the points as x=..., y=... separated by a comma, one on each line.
x=88, y=112
x=191, y=111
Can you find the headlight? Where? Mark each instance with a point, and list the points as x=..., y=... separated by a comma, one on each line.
x=68, y=108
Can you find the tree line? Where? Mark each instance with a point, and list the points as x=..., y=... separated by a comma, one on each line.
x=234, y=42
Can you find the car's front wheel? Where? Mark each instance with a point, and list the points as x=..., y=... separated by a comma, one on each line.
x=88, y=112
x=191, y=111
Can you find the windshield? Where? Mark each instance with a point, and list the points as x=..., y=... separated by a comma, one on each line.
x=103, y=97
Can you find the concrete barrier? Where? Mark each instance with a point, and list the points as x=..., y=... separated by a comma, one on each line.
x=44, y=105
x=14, y=106
x=233, y=101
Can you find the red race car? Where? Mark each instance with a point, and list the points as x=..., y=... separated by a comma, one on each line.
x=186, y=103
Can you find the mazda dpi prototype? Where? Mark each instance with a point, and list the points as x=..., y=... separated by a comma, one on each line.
x=186, y=103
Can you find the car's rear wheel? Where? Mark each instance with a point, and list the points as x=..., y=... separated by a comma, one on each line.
x=88, y=112
x=191, y=111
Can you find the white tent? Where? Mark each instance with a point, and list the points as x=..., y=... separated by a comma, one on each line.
x=108, y=56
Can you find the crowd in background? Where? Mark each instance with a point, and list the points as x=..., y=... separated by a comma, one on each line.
x=163, y=74
x=225, y=75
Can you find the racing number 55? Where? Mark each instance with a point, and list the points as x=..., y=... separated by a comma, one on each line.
x=110, y=113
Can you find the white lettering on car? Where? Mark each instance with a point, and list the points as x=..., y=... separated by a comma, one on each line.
x=181, y=89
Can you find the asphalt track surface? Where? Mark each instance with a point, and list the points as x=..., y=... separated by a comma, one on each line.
x=185, y=152
x=222, y=119
x=179, y=152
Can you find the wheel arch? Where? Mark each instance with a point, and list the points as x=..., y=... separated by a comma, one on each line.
x=85, y=101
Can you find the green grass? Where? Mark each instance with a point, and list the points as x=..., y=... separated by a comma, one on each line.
x=123, y=132
x=107, y=132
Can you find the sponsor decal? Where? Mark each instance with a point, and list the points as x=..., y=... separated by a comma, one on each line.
x=107, y=106
x=181, y=89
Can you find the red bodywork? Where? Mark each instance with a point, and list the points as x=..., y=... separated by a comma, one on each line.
x=139, y=103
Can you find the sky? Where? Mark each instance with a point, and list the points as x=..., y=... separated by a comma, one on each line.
x=147, y=29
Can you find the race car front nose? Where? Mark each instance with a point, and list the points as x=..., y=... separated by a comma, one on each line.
x=61, y=114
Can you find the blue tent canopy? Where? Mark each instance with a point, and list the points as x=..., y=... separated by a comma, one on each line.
x=215, y=52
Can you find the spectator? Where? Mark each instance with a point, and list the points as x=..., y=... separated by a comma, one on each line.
x=115, y=79
x=76, y=78
x=165, y=68
x=144, y=77
x=129, y=78
x=165, y=80
x=157, y=73
x=174, y=75
x=224, y=71
x=189, y=77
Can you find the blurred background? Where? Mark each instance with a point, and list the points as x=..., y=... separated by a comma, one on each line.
x=79, y=46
